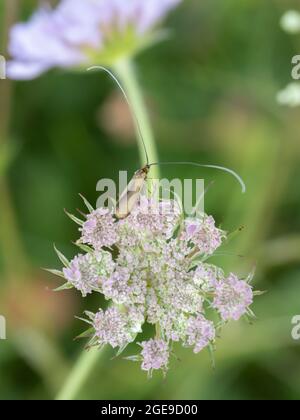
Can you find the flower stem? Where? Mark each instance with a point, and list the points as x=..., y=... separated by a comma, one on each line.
x=127, y=74
x=80, y=373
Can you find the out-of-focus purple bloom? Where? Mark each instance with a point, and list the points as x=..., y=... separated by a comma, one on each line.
x=232, y=298
x=117, y=286
x=76, y=32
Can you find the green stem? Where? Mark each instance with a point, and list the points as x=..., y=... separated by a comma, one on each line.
x=42, y=355
x=127, y=74
x=80, y=373
x=87, y=361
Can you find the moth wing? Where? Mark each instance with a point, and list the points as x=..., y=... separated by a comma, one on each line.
x=130, y=196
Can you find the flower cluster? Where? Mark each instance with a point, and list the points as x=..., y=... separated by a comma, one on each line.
x=152, y=268
x=81, y=33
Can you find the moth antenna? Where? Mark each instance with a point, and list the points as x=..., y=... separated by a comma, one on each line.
x=136, y=121
x=221, y=168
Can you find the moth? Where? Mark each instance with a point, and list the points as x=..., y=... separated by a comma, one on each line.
x=130, y=196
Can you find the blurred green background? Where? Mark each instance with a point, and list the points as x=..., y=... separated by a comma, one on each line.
x=211, y=93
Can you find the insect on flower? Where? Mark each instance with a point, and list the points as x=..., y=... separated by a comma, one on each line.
x=152, y=267
x=130, y=196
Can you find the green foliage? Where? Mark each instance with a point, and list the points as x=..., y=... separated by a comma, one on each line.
x=211, y=92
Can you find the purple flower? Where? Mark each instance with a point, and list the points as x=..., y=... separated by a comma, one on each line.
x=199, y=333
x=158, y=217
x=117, y=286
x=203, y=233
x=99, y=229
x=232, y=298
x=86, y=272
x=36, y=47
x=77, y=32
x=112, y=327
x=155, y=354
x=206, y=276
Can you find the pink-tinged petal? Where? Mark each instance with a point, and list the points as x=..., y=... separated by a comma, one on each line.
x=191, y=229
x=155, y=354
x=90, y=224
x=86, y=272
